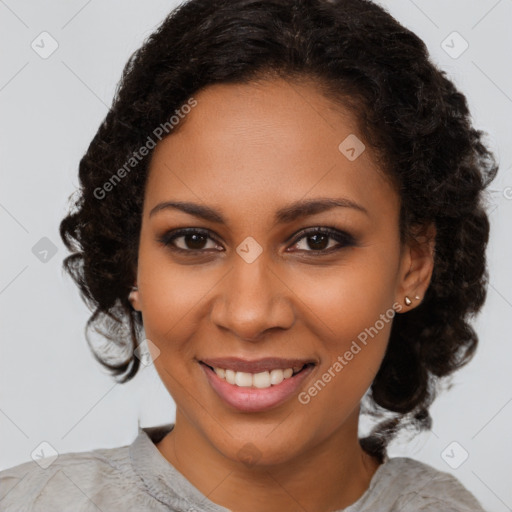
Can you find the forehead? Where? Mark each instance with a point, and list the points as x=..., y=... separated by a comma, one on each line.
x=268, y=143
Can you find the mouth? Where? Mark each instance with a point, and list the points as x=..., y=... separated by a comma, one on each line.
x=252, y=386
x=257, y=378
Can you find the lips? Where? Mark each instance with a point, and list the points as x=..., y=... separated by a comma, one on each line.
x=253, y=399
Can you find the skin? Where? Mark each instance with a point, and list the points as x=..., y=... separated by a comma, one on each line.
x=248, y=151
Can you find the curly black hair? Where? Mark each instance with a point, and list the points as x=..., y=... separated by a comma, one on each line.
x=409, y=112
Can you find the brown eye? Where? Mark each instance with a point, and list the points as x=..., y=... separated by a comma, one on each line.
x=317, y=240
x=192, y=241
x=188, y=240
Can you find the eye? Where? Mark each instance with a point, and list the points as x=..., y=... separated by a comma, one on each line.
x=313, y=240
x=317, y=239
x=188, y=240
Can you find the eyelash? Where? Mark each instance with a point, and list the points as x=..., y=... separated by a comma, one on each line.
x=343, y=238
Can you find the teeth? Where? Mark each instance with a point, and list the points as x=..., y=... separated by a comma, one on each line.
x=230, y=376
x=276, y=377
x=260, y=380
x=288, y=373
x=244, y=380
x=220, y=372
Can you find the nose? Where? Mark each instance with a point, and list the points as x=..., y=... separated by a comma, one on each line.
x=252, y=300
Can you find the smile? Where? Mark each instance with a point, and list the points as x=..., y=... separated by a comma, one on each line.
x=260, y=380
x=257, y=390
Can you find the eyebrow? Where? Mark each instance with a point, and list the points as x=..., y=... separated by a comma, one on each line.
x=294, y=211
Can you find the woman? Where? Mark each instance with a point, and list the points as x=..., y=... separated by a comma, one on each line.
x=285, y=203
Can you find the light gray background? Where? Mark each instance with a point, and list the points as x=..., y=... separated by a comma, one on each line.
x=51, y=389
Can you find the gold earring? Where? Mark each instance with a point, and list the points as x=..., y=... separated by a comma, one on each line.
x=407, y=301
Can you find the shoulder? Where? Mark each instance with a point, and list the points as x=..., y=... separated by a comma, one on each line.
x=82, y=478
x=406, y=484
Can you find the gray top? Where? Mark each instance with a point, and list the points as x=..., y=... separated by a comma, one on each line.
x=138, y=478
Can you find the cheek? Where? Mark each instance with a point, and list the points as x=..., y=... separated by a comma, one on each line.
x=339, y=303
x=352, y=349
x=172, y=297
x=350, y=311
x=171, y=294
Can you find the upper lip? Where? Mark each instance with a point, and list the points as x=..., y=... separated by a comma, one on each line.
x=255, y=366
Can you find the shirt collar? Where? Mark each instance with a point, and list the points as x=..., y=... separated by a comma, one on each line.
x=166, y=484
x=162, y=480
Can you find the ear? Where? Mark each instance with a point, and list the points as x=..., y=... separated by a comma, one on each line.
x=416, y=266
x=133, y=297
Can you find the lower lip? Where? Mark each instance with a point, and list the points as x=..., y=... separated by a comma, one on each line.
x=254, y=399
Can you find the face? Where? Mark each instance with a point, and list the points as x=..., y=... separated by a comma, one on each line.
x=270, y=273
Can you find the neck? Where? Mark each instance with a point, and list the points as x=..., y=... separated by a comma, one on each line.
x=330, y=475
